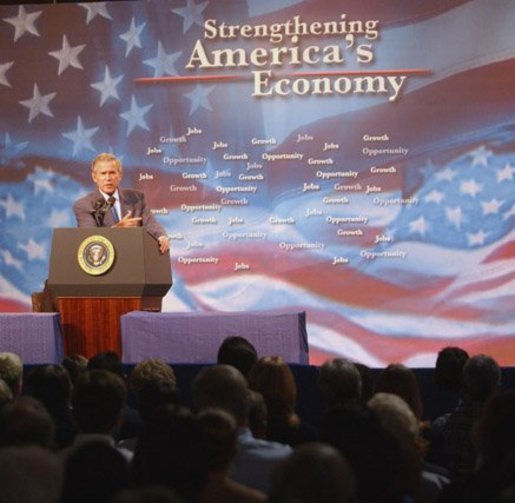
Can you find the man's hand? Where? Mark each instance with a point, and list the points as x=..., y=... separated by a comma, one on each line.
x=164, y=243
x=128, y=221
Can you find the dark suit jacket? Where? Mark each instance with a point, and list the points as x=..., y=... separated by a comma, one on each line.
x=132, y=200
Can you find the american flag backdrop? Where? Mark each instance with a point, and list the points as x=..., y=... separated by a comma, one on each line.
x=409, y=250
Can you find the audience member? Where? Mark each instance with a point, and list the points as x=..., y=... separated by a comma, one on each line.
x=151, y=370
x=367, y=382
x=94, y=473
x=448, y=377
x=339, y=383
x=401, y=381
x=238, y=352
x=384, y=471
x=170, y=453
x=272, y=377
x=75, y=365
x=131, y=423
x=6, y=394
x=396, y=417
x=314, y=473
x=11, y=371
x=258, y=422
x=97, y=404
x=219, y=446
x=494, y=438
x=481, y=380
x=29, y=474
x=25, y=421
x=224, y=387
x=51, y=385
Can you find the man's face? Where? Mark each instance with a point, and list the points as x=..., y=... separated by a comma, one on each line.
x=107, y=176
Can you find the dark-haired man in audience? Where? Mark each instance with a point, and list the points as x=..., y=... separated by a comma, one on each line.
x=224, y=387
x=238, y=352
x=481, y=380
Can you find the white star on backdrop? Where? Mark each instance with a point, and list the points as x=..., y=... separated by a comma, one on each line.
x=33, y=250
x=107, y=87
x=24, y=22
x=419, y=226
x=435, y=196
x=506, y=173
x=199, y=98
x=12, y=149
x=163, y=64
x=454, y=216
x=9, y=259
x=42, y=180
x=491, y=207
x=12, y=207
x=81, y=137
x=94, y=10
x=3, y=70
x=38, y=104
x=446, y=174
x=135, y=116
x=470, y=187
x=68, y=56
x=476, y=238
x=192, y=14
x=480, y=156
x=58, y=218
x=131, y=37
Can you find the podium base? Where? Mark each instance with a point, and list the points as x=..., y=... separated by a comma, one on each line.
x=92, y=324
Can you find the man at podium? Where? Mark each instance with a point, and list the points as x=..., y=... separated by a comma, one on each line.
x=111, y=206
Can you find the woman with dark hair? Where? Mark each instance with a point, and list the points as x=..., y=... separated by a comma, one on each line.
x=272, y=377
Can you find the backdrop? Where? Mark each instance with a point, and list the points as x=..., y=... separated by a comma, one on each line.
x=354, y=159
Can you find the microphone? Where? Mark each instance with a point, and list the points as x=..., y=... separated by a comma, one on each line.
x=100, y=208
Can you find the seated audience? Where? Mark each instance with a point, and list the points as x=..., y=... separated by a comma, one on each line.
x=271, y=376
x=224, y=387
x=25, y=421
x=493, y=478
x=481, y=380
x=219, y=446
x=131, y=424
x=396, y=417
x=238, y=352
x=11, y=371
x=75, y=365
x=29, y=474
x=94, y=473
x=339, y=383
x=97, y=405
x=314, y=473
x=383, y=469
x=170, y=453
x=401, y=381
x=51, y=385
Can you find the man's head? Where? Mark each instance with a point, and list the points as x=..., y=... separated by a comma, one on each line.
x=339, y=382
x=11, y=371
x=106, y=171
x=481, y=377
x=223, y=387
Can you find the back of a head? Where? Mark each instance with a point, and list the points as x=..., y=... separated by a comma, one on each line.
x=29, y=475
x=238, y=352
x=98, y=399
x=222, y=387
x=51, y=385
x=107, y=360
x=313, y=473
x=449, y=368
x=25, y=421
x=6, y=394
x=272, y=377
x=219, y=438
x=481, y=377
x=395, y=416
x=151, y=370
x=339, y=382
x=402, y=381
x=11, y=370
x=75, y=365
x=95, y=471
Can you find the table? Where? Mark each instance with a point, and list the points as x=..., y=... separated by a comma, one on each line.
x=196, y=337
x=36, y=337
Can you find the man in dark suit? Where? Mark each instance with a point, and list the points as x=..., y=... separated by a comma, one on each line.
x=110, y=206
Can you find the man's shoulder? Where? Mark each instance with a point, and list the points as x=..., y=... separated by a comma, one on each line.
x=86, y=199
x=131, y=194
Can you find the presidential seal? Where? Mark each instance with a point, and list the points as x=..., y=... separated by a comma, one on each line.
x=96, y=255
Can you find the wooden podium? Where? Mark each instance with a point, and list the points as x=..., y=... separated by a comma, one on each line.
x=98, y=274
